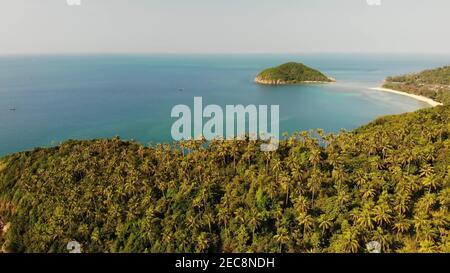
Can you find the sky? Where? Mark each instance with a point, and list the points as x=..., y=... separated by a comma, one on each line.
x=224, y=26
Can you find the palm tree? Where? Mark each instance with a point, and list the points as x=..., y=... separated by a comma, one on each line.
x=402, y=225
x=325, y=222
x=426, y=170
x=338, y=175
x=315, y=157
x=277, y=167
x=382, y=214
x=282, y=238
x=381, y=237
x=286, y=182
x=363, y=217
x=202, y=242
x=302, y=204
x=431, y=182
x=342, y=197
x=307, y=221
x=314, y=184
x=402, y=202
x=209, y=219
x=254, y=221
x=350, y=241
x=224, y=216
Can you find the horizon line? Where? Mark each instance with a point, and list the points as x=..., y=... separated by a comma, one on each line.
x=219, y=53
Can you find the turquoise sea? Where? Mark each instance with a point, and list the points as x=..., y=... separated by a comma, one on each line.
x=60, y=97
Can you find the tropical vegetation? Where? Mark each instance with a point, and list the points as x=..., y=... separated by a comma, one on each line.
x=291, y=73
x=432, y=83
x=388, y=181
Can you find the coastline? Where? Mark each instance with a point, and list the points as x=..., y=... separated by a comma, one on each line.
x=431, y=102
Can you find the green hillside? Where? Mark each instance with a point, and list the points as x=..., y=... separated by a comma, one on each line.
x=291, y=73
x=433, y=83
x=387, y=181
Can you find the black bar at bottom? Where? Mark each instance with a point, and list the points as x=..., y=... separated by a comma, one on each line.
x=223, y=262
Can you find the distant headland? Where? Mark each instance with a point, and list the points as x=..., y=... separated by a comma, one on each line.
x=431, y=86
x=291, y=73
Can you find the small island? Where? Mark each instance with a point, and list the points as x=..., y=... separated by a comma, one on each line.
x=291, y=73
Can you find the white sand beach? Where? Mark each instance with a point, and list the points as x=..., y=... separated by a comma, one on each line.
x=417, y=97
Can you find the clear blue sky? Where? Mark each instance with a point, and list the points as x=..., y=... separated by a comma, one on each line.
x=221, y=26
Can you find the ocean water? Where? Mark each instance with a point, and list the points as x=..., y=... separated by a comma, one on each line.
x=64, y=97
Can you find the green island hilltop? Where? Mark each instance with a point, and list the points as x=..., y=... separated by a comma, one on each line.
x=291, y=73
x=431, y=83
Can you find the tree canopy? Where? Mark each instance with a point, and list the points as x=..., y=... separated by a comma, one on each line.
x=291, y=73
x=387, y=182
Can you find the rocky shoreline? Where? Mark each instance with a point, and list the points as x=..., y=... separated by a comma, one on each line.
x=262, y=81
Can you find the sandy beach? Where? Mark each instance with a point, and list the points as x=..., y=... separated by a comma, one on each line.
x=417, y=97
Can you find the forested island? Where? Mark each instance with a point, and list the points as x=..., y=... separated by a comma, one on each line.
x=291, y=73
x=433, y=84
x=387, y=182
